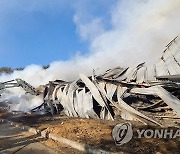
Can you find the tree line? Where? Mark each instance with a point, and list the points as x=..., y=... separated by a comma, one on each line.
x=9, y=70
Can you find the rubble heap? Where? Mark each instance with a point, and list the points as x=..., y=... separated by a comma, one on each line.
x=153, y=88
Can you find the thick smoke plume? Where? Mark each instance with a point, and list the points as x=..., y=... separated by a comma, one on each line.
x=139, y=30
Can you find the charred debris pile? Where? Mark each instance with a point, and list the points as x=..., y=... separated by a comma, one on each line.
x=130, y=93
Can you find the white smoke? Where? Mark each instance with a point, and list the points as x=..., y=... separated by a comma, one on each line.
x=138, y=31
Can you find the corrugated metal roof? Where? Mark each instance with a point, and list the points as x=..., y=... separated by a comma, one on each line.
x=150, y=71
x=168, y=64
x=171, y=57
x=161, y=68
x=104, y=96
x=141, y=75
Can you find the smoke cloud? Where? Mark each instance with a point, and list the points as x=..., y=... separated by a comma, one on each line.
x=137, y=31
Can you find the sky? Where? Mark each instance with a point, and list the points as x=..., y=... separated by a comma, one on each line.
x=79, y=36
x=42, y=31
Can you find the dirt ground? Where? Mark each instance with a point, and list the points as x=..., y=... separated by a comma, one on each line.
x=97, y=133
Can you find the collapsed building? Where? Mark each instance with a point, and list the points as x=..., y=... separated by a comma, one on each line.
x=120, y=91
x=105, y=96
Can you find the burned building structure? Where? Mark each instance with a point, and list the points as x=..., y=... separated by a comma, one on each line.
x=125, y=92
x=153, y=88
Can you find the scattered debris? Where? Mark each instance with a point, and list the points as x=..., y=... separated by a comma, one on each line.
x=109, y=95
x=18, y=83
